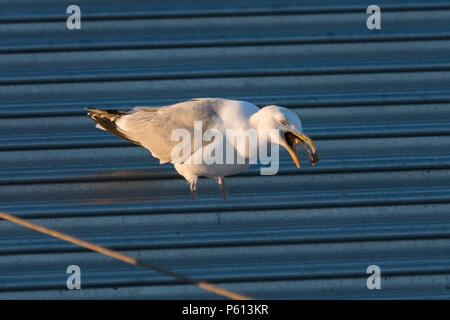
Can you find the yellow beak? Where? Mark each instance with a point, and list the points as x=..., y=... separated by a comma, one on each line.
x=294, y=155
x=303, y=137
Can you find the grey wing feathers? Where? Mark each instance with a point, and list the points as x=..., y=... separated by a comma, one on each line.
x=152, y=127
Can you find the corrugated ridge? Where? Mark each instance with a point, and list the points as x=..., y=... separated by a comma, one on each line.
x=211, y=229
x=374, y=88
x=51, y=11
x=342, y=288
x=219, y=31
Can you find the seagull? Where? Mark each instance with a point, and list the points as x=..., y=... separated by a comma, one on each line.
x=152, y=128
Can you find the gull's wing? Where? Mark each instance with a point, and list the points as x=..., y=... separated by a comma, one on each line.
x=152, y=127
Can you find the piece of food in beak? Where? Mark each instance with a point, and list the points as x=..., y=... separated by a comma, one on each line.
x=305, y=142
x=313, y=157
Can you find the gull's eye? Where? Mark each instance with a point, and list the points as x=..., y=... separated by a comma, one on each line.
x=283, y=122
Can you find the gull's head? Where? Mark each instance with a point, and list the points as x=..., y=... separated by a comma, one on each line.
x=288, y=131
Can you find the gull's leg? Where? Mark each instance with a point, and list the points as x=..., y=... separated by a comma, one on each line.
x=221, y=181
x=193, y=187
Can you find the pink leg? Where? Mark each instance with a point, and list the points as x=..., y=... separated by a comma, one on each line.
x=221, y=181
x=193, y=187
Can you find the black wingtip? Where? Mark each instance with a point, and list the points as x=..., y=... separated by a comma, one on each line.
x=104, y=119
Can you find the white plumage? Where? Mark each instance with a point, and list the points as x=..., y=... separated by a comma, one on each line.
x=152, y=128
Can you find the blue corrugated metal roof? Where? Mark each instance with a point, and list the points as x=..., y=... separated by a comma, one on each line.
x=376, y=102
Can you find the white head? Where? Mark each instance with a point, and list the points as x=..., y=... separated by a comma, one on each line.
x=289, y=133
